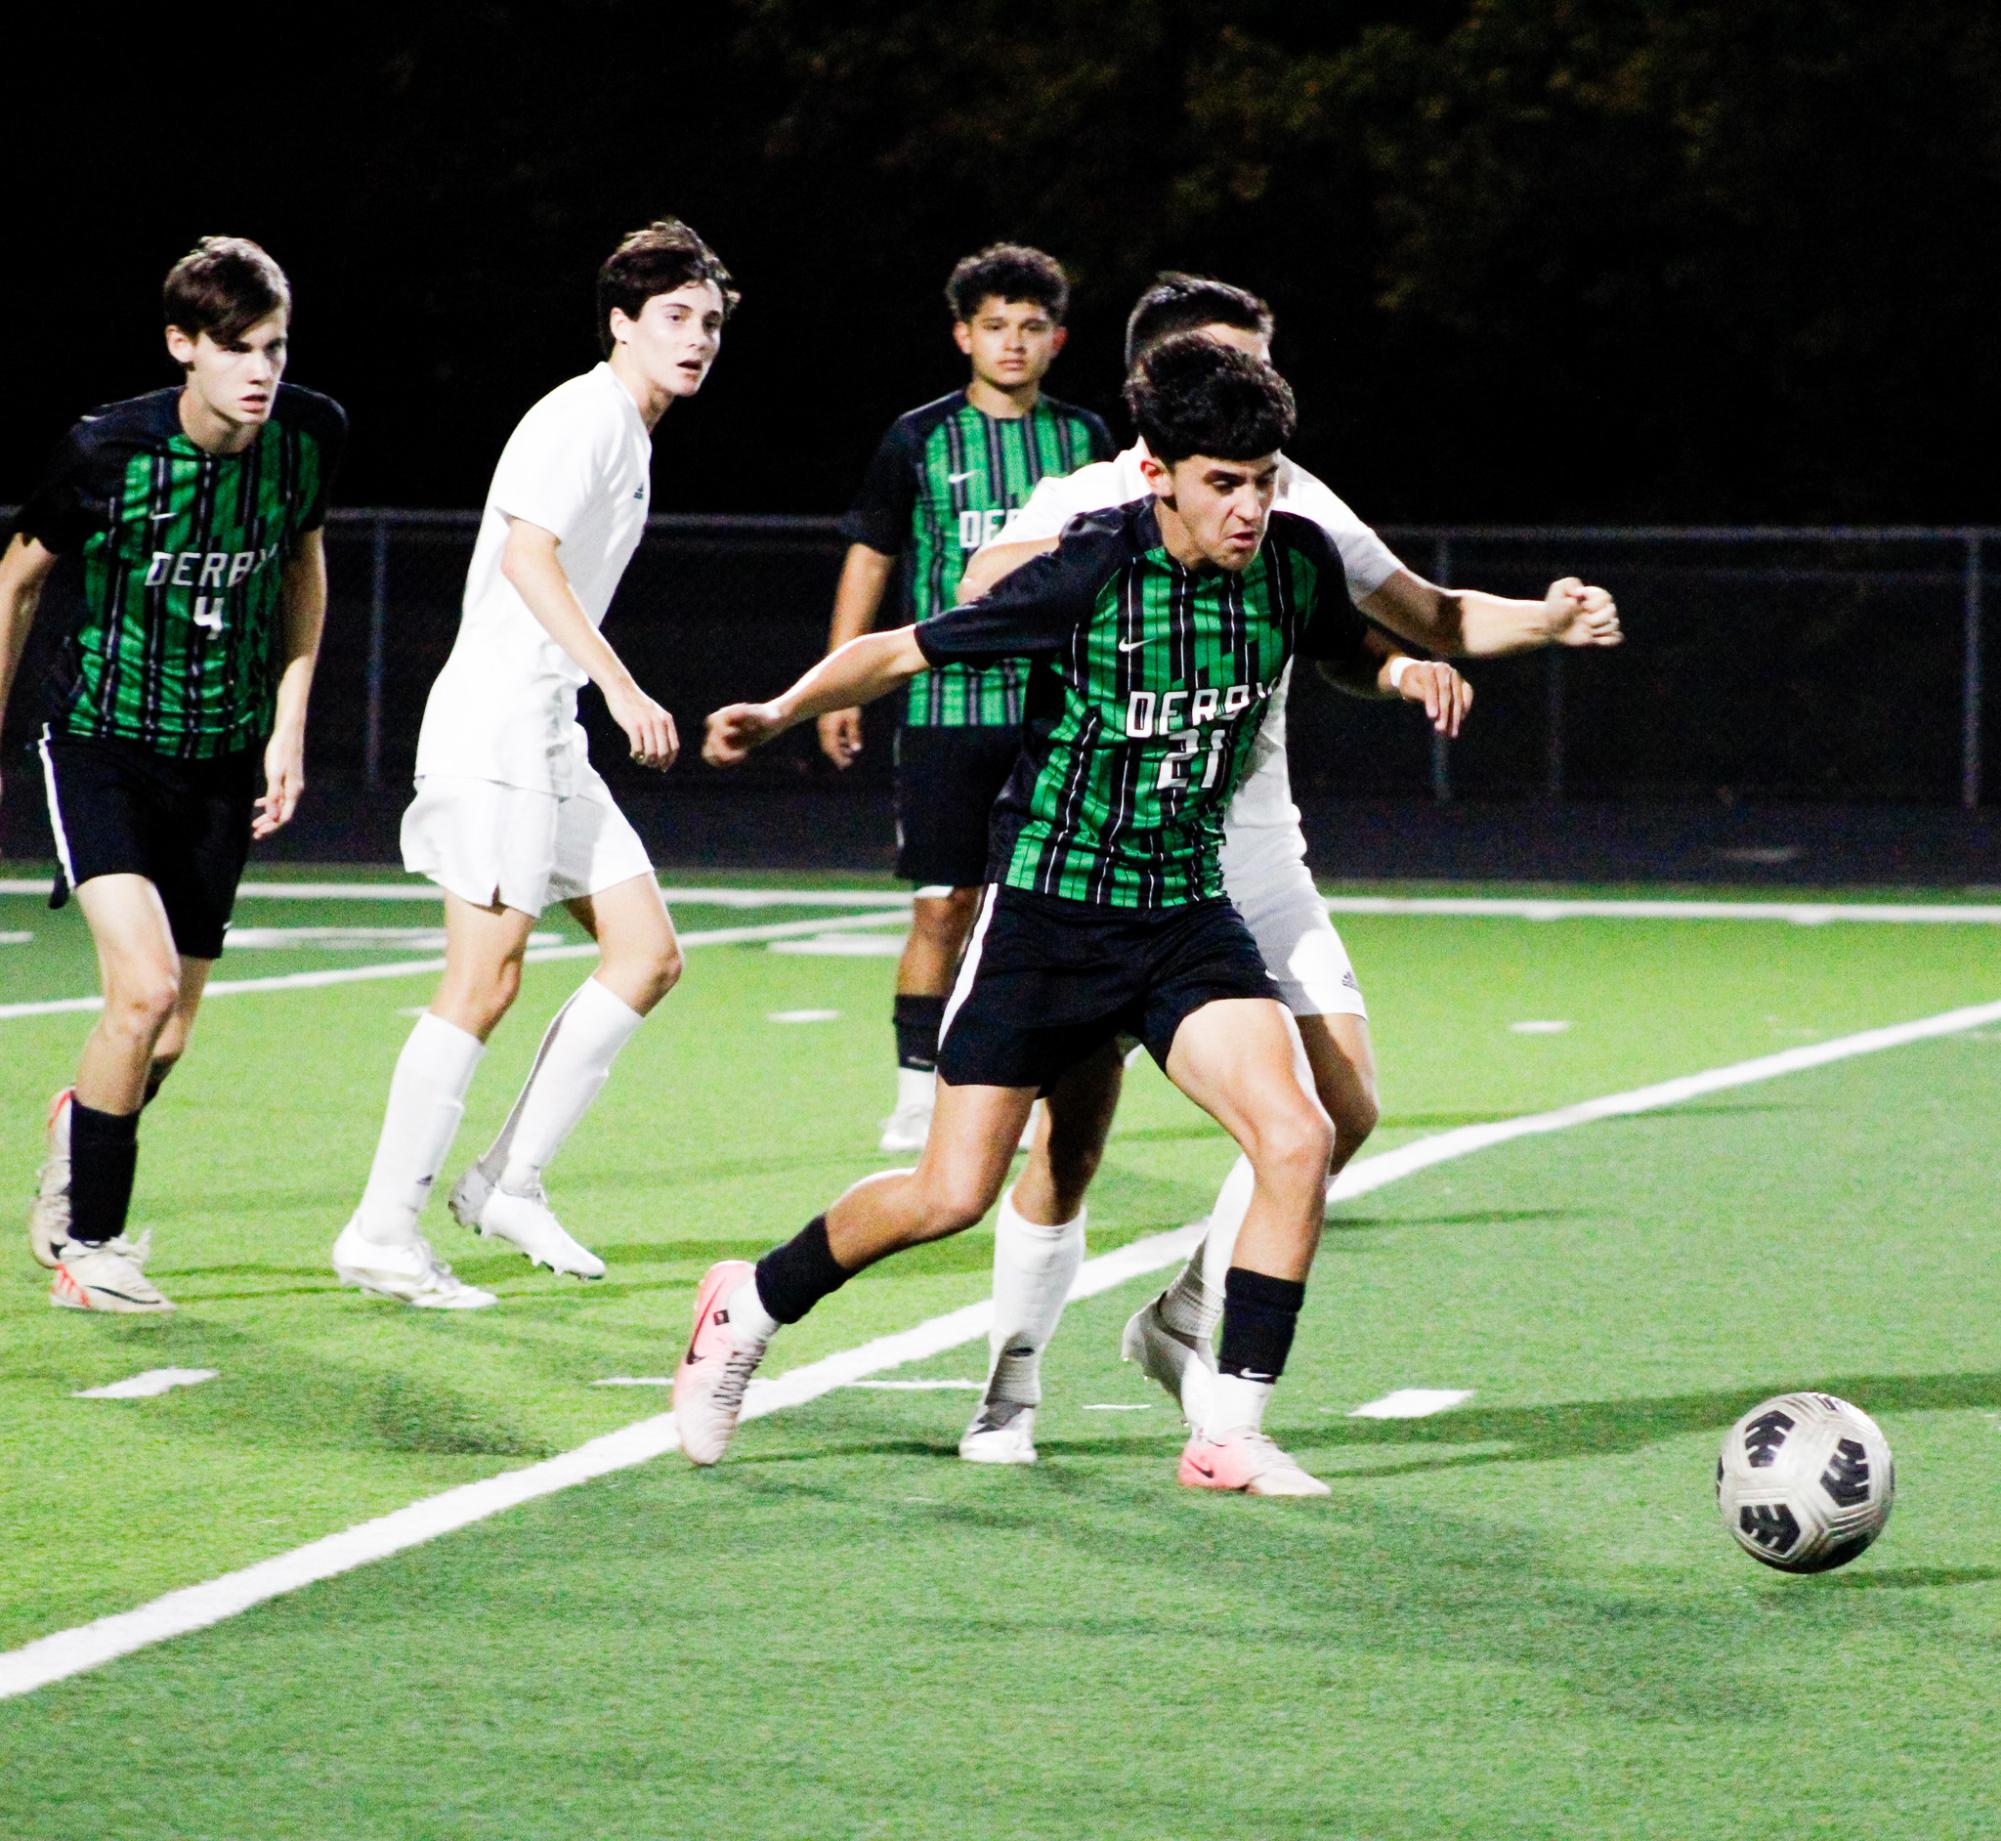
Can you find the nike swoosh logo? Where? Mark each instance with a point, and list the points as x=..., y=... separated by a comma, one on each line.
x=1133, y=645
x=953, y=479
x=1201, y=1470
x=158, y=515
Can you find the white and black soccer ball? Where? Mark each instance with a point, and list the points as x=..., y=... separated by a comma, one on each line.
x=1805, y=1482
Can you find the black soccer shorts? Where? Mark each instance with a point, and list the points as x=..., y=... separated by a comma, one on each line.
x=946, y=783
x=118, y=808
x=1048, y=981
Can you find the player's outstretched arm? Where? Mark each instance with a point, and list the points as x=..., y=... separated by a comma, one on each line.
x=996, y=562
x=1378, y=669
x=1469, y=623
x=859, y=672
x=857, y=600
x=303, y=618
x=531, y=568
x=24, y=569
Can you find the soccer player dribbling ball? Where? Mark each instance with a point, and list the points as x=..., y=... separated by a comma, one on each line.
x=943, y=479
x=1038, y=1247
x=196, y=513
x=1158, y=632
x=510, y=815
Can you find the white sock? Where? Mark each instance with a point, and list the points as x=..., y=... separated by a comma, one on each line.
x=1193, y=1304
x=750, y=1322
x=578, y=1048
x=427, y=1098
x=916, y=1087
x=1034, y=1266
x=1236, y=1404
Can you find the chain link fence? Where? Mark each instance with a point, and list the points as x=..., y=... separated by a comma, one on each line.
x=1832, y=665
x=1829, y=668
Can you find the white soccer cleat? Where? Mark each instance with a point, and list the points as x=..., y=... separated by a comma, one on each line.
x=48, y=1213
x=525, y=1222
x=410, y=1274
x=110, y=1277
x=906, y=1128
x=1183, y=1365
x=1002, y=1432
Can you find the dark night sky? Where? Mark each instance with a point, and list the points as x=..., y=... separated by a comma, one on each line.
x=1531, y=261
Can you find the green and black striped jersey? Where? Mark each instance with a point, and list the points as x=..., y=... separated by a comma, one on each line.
x=1148, y=683
x=183, y=556
x=941, y=484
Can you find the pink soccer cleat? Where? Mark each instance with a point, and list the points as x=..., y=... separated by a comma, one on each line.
x=1247, y=1461
x=710, y=1382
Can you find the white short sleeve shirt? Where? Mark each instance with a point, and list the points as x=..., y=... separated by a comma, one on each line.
x=504, y=707
x=1264, y=796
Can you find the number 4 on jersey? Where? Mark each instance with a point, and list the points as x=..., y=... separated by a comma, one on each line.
x=208, y=612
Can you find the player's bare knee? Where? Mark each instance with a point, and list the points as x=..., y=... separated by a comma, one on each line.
x=943, y=921
x=141, y=1003
x=952, y=1202
x=1296, y=1145
x=1355, y=1117
x=663, y=972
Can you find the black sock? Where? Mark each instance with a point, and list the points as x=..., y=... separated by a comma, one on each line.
x=793, y=1278
x=1259, y=1317
x=917, y=1021
x=103, y=1154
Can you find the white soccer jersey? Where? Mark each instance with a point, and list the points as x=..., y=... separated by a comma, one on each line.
x=505, y=706
x=1265, y=795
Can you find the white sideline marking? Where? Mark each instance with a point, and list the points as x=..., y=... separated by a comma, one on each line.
x=1122, y=1406
x=923, y=1387
x=352, y=939
x=1795, y=913
x=15, y=939
x=411, y=968
x=804, y=1016
x=1535, y=908
x=1413, y=1403
x=71, y=1652
x=145, y=1386
x=411, y=889
x=845, y=945
x=1533, y=1028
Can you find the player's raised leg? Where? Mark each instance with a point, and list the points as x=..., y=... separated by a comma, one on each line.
x=740, y=1307
x=381, y=1250
x=1235, y=1059
x=502, y=1193
x=1038, y=1247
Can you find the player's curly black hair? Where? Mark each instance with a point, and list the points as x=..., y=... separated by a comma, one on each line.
x=1178, y=302
x=223, y=287
x=1008, y=271
x=664, y=256
x=1190, y=395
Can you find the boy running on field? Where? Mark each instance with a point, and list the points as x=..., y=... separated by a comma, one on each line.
x=1039, y=1245
x=196, y=513
x=941, y=483
x=509, y=813
x=1159, y=631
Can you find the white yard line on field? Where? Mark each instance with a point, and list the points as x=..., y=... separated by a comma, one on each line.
x=536, y=955
x=72, y=1652
x=1498, y=907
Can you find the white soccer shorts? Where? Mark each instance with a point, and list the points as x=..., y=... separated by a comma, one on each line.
x=1265, y=876
x=487, y=842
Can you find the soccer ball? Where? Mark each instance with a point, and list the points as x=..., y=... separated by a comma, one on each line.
x=1805, y=1482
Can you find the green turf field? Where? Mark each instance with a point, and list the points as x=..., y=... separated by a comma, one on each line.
x=1518, y=1617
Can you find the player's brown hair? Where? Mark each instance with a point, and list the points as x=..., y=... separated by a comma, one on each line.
x=223, y=286
x=663, y=256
